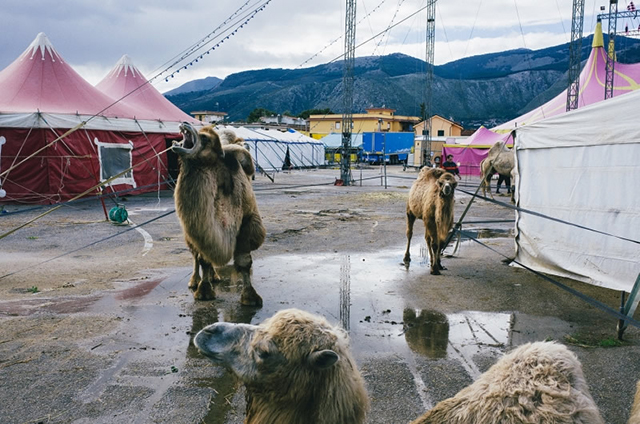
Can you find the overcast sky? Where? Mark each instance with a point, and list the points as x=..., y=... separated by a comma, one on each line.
x=93, y=35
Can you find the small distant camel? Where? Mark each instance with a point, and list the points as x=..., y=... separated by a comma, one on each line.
x=538, y=382
x=217, y=208
x=501, y=160
x=296, y=367
x=431, y=199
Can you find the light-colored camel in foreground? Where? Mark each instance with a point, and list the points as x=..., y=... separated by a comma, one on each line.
x=217, y=209
x=538, y=382
x=501, y=160
x=296, y=367
x=431, y=199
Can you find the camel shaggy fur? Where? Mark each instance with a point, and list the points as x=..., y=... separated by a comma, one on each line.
x=296, y=367
x=431, y=199
x=501, y=160
x=538, y=382
x=217, y=209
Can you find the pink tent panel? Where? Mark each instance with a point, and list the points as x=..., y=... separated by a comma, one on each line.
x=592, y=82
x=468, y=156
x=126, y=82
x=40, y=80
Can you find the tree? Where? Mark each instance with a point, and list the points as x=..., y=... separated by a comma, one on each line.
x=257, y=113
x=305, y=114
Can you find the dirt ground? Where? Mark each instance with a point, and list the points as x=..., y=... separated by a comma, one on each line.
x=96, y=318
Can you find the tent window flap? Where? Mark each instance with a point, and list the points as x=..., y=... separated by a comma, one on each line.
x=114, y=159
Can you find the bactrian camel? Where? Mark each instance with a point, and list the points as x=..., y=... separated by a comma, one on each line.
x=431, y=199
x=217, y=209
x=296, y=367
x=501, y=160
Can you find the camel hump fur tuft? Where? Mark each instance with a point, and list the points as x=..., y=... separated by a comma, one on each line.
x=431, y=199
x=297, y=368
x=217, y=209
x=538, y=382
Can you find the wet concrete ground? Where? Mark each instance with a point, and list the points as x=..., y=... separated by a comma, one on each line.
x=125, y=355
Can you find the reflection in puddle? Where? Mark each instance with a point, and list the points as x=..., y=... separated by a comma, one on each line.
x=426, y=332
x=462, y=335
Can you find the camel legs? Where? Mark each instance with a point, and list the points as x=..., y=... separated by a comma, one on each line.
x=434, y=254
x=195, y=279
x=202, y=287
x=411, y=219
x=250, y=237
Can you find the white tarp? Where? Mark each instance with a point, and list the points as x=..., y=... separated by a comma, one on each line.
x=269, y=147
x=582, y=167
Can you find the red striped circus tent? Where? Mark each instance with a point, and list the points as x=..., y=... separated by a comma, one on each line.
x=43, y=100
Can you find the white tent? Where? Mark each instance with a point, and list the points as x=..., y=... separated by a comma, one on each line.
x=582, y=167
x=269, y=147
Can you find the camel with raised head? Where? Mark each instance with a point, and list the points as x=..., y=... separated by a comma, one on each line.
x=217, y=209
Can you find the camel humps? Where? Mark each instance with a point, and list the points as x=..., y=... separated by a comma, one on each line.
x=431, y=199
x=296, y=367
x=217, y=209
x=538, y=382
x=501, y=160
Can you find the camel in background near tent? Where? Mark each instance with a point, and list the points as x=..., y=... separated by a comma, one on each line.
x=500, y=160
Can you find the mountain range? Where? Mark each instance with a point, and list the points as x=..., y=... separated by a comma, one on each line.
x=480, y=90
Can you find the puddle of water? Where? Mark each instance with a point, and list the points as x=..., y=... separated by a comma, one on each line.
x=139, y=290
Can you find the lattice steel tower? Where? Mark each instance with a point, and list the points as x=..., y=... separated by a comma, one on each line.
x=611, y=54
x=347, y=90
x=575, y=54
x=428, y=89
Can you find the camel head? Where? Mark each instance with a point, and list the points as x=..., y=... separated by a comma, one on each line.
x=202, y=145
x=446, y=184
x=295, y=367
x=289, y=342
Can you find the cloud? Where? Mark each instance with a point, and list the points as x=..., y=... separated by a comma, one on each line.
x=92, y=36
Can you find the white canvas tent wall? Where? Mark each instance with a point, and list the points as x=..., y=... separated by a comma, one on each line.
x=582, y=167
x=269, y=148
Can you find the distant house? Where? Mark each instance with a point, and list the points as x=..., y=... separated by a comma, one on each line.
x=208, y=116
x=284, y=120
x=376, y=119
x=441, y=128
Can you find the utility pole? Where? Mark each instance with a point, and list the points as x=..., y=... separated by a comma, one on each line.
x=611, y=52
x=575, y=54
x=428, y=91
x=347, y=91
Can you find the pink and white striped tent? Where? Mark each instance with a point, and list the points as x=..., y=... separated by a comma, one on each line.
x=592, y=82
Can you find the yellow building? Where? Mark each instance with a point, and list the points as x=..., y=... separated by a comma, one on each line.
x=441, y=128
x=376, y=119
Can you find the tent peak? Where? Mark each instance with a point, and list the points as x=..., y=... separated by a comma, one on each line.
x=598, y=40
x=125, y=64
x=41, y=43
